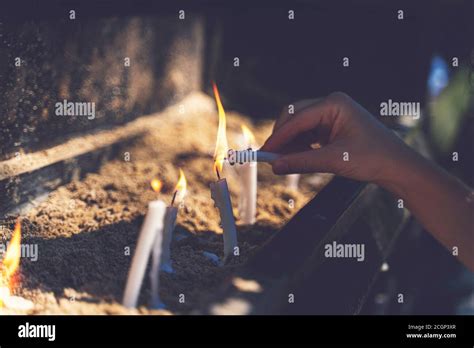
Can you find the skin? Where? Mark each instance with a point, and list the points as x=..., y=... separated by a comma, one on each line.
x=440, y=202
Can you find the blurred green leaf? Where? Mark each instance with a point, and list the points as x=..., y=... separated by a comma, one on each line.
x=448, y=111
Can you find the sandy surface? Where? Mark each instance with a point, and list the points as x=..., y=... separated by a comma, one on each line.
x=84, y=229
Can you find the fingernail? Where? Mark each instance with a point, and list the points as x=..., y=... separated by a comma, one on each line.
x=280, y=167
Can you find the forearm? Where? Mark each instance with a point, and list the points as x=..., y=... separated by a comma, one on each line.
x=440, y=202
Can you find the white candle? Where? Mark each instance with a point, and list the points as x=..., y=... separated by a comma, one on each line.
x=244, y=156
x=248, y=192
x=151, y=232
x=220, y=195
x=263, y=156
x=247, y=173
x=169, y=225
x=161, y=260
x=219, y=190
x=155, y=268
x=292, y=181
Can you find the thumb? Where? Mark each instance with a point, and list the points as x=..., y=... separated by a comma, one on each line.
x=316, y=160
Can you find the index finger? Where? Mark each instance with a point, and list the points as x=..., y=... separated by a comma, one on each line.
x=307, y=119
x=298, y=106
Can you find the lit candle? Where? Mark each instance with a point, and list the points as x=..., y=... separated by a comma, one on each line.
x=219, y=189
x=161, y=255
x=8, y=268
x=151, y=232
x=247, y=173
x=220, y=195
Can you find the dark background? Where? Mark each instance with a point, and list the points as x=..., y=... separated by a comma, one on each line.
x=283, y=61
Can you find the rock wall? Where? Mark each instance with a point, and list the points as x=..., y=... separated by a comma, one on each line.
x=127, y=65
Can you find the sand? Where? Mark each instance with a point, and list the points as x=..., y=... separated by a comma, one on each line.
x=86, y=231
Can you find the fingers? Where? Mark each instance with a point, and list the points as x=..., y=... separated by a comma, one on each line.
x=317, y=160
x=306, y=120
x=298, y=106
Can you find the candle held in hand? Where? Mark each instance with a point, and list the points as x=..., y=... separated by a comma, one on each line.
x=249, y=155
x=263, y=156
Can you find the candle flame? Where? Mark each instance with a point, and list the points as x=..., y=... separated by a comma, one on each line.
x=221, y=142
x=249, y=138
x=180, y=187
x=156, y=185
x=10, y=263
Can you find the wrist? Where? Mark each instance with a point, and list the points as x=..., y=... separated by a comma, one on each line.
x=403, y=173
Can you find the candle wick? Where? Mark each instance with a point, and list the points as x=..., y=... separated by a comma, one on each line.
x=174, y=197
x=217, y=172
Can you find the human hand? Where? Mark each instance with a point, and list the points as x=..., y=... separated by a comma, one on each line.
x=351, y=142
x=355, y=145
